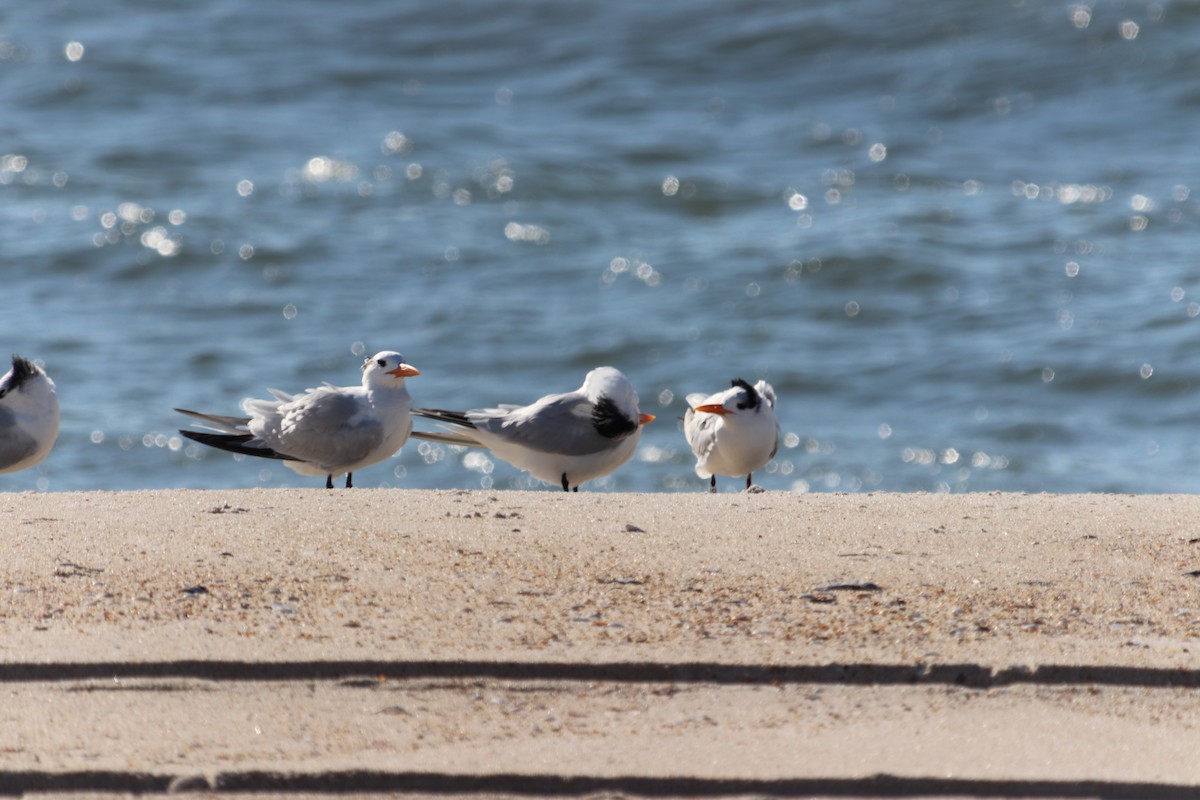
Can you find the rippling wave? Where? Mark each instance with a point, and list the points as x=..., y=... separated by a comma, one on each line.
x=960, y=243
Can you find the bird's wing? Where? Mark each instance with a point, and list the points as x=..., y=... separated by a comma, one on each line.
x=218, y=422
x=15, y=444
x=766, y=390
x=447, y=438
x=458, y=418
x=326, y=427
x=245, y=443
x=560, y=424
x=700, y=429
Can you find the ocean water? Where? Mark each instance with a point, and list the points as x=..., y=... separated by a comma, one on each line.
x=960, y=239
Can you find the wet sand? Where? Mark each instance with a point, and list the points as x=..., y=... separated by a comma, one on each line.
x=496, y=642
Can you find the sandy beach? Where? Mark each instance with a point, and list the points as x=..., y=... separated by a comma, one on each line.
x=480, y=643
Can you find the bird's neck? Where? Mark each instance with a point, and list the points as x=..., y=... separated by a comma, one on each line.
x=386, y=393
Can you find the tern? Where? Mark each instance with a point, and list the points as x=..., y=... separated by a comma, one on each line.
x=28, y=416
x=565, y=439
x=328, y=430
x=733, y=432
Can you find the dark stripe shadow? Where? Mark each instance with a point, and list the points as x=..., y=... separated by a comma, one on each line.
x=20, y=782
x=968, y=675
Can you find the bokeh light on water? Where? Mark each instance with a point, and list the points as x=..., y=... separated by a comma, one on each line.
x=961, y=244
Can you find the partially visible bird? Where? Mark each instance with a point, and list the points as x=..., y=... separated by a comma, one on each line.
x=564, y=439
x=733, y=432
x=328, y=430
x=29, y=416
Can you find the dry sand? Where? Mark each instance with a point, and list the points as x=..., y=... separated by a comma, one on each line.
x=492, y=642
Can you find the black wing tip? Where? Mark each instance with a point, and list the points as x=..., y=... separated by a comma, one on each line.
x=234, y=443
x=441, y=415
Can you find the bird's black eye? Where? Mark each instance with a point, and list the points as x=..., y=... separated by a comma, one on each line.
x=381, y=362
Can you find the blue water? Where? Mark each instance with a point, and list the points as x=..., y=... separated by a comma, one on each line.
x=960, y=239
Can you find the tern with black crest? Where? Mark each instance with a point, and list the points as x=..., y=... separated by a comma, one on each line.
x=733, y=432
x=565, y=439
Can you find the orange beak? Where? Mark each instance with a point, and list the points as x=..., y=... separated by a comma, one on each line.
x=404, y=371
x=713, y=408
x=644, y=418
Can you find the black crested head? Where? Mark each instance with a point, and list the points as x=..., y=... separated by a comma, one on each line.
x=22, y=370
x=752, y=399
x=609, y=422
